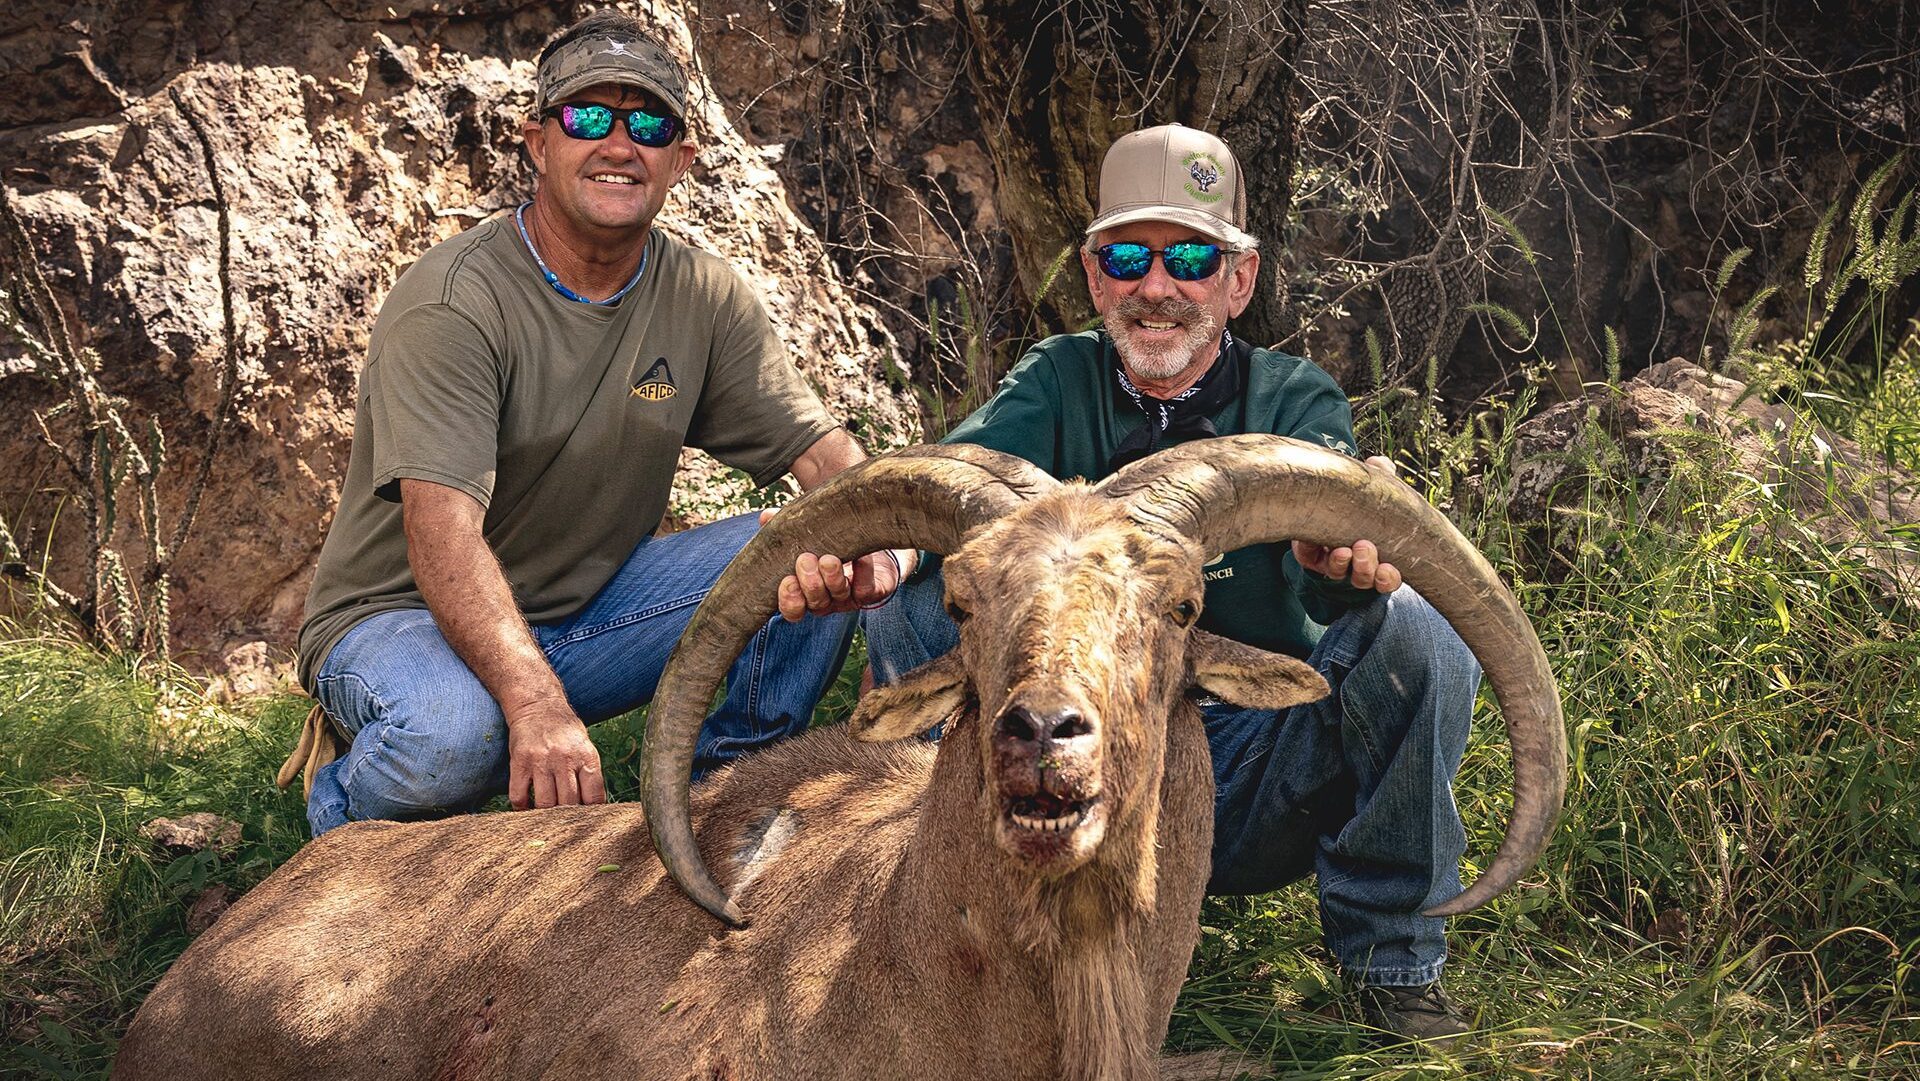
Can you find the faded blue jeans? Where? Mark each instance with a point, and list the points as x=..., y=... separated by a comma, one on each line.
x=1356, y=789
x=428, y=740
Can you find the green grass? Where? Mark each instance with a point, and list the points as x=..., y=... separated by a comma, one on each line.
x=90, y=914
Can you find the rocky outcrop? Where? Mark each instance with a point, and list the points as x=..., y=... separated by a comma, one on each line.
x=1855, y=502
x=350, y=136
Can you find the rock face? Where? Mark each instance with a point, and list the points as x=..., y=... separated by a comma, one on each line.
x=1851, y=499
x=879, y=141
x=350, y=137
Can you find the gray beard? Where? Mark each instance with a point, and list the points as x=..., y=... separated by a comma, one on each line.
x=1164, y=362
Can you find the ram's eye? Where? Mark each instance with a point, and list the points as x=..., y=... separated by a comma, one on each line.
x=958, y=613
x=1184, y=613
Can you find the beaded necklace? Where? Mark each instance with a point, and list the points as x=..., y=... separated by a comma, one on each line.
x=520, y=220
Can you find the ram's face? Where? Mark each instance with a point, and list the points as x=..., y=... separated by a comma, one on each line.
x=1073, y=629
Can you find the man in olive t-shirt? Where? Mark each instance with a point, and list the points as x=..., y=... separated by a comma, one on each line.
x=489, y=582
x=1356, y=788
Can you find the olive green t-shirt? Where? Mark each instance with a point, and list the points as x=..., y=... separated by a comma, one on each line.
x=481, y=377
x=1062, y=409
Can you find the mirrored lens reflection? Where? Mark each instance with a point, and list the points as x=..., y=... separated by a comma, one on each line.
x=1188, y=261
x=586, y=121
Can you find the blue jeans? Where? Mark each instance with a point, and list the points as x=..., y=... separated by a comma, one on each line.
x=429, y=740
x=1356, y=789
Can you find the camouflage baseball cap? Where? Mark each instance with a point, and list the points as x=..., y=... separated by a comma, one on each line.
x=1177, y=174
x=611, y=58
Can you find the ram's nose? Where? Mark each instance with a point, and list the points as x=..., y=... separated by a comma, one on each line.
x=1022, y=724
x=1046, y=743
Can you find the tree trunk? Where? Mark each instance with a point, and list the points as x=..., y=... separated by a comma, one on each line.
x=1056, y=85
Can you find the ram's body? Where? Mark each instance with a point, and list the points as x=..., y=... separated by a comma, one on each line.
x=1020, y=903
x=550, y=943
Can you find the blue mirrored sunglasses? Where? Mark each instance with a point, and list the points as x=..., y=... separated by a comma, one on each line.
x=1187, y=261
x=588, y=120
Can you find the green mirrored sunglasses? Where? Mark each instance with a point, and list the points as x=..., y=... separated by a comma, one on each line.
x=591, y=120
x=1187, y=261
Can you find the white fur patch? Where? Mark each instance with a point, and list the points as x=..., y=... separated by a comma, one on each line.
x=764, y=842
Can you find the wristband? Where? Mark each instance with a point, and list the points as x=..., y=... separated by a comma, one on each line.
x=898, y=580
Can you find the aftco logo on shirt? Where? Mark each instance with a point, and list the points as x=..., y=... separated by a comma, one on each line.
x=657, y=384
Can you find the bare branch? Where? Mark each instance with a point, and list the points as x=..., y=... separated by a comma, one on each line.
x=227, y=389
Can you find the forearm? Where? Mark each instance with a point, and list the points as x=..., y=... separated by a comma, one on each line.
x=470, y=599
x=828, y=455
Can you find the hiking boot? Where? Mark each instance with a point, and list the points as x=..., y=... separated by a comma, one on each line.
x=1423, y=1014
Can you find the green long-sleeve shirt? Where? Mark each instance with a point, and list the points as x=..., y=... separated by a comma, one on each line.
x=1062, y=409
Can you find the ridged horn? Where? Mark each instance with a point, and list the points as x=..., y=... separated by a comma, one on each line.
x=1235, y=491
x=921, y=497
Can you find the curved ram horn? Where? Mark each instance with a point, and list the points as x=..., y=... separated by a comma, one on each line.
x=1235, y=491
x=921, y=497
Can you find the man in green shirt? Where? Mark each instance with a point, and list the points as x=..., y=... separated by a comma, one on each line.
x=490, y=582
x=1356, y=788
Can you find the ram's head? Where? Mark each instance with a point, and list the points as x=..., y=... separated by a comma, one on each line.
x=1077, y=639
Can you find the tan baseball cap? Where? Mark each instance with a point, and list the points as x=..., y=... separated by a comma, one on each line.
x=611, y=58
x=1177, y=174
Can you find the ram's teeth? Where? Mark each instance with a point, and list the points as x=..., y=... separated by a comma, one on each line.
x=1061, y=824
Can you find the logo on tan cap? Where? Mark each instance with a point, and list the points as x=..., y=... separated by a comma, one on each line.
x=1176, y=174
x=1206, y=173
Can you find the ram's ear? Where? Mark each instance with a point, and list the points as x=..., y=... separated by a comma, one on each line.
x=916, y=702
x=1245, y=676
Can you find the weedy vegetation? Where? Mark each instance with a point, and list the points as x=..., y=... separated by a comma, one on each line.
x=110, y=458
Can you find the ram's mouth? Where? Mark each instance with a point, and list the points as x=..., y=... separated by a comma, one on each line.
x=1044, y=813
x=1051, y=835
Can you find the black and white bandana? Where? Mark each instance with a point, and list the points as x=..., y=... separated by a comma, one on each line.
x=1188, y=414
